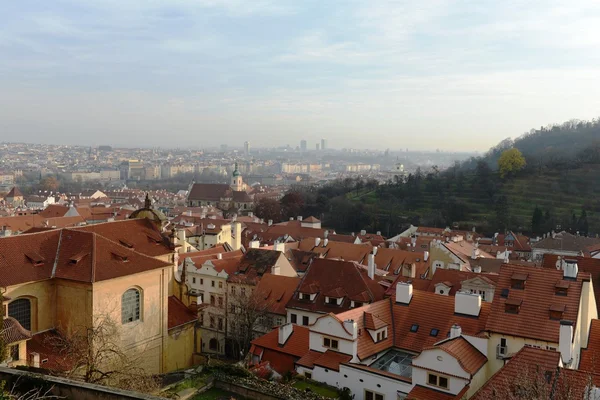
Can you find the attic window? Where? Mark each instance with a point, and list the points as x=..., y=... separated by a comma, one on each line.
x=414, y=328
x=126, y=243
x=35, y=258
x=434, y=332
x=77, y=258
x=556, y=311
x=504, y=293
x=517, y=281
x=121, y=257
x=303, y=296
x=512, y=306
x=561, y=288
x=154, y=239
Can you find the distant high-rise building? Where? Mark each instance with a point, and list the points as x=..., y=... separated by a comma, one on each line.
x=303, y=145
x=224, y=148
x=323, y=144
x=247, y=148
x=317, y=146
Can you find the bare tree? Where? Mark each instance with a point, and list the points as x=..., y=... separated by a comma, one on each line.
x=95, y=354
x=29, y=394
x=3, y=344
x=247, y=310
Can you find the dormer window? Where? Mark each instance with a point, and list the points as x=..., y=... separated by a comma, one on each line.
x=512, y=306
x=333, y=301
x=36, y=259
x=556, y=311
x=355, y=304
x=381, y=335
x=517, y=281
x=561, y=288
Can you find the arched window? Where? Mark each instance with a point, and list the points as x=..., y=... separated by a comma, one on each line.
x=20, y=310
x=130, y=306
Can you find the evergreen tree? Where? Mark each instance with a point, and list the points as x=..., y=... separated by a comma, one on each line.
x=536, y=220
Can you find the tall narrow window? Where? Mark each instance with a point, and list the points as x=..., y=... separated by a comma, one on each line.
x=20, y=310
x=130, y=306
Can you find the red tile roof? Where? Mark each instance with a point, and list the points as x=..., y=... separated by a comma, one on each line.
x=208, y=191
x=308, y=359
x=179, y=314
x=469, y=358
x=296, y=345
x=432, y=311
x=332, y=360
x=534, y=373
x=53, y=211
x=533, y=320
x=590, y=356
x=47, y=344
x=326, y=275
x=424, y=393
x=275, y=291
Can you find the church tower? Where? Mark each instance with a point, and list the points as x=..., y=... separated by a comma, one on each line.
x=237, y=183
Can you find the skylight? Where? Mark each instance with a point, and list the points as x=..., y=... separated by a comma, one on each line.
x=434, y=332
x=414, y=328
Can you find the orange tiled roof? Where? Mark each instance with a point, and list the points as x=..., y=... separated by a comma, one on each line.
x=276, y=291
x=431, y=311
x=332, y=360
x=424, y=393
x=533, y=320
x=179, y=314
x=325, y=275
x=469, y=358
x=297, y=344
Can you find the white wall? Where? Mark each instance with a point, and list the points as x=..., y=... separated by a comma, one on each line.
x=312, y=317
x=455, y=385
x=351, y=378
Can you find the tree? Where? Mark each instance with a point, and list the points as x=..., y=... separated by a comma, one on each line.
x=268, y=209
x=95, y=354
x=502, y=213
x=510, y=162
x=3, y=345
x=292, y=204
x=536, y=220
x=50, y=183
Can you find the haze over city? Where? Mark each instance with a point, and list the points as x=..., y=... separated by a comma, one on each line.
x=363, y=74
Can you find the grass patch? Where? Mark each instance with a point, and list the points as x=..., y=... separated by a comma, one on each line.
x=217, y=394
x=318, y=389
x=196, y=382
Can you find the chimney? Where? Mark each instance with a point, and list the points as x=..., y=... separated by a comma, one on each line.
x=371, y=266
x=326, y=234
x=279, y=247
x=270, y=222
x=291, y=218
x=299, y=218
x=474, y=253
x=352, y=327
x=404, y=292
x=34, y=360
x=375, y=249
x=425, y=255
x=251, y=214
x=317, y=242
x=352, y=234
x=237, y=239
x=181, y=239
x=325, y=242
x=455, y=331
x=219, y=256
x=570, y=269
x=467, y=303
x=363, y=232
x=285, y=331
x=378, y=233
x=565, y=340
x=413, y=241
x=477, y=269
x=254, y=244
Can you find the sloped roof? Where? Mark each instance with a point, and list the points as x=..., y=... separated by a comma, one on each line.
x=565, y=241
x=469, y=358
x=533, y=319
x=299, y=259
x=326, y=275
x=590, y=356
x=276, y=291
x=53, y=211
x=431, y=311
x=332, y=360
x=14, y=192
x=254, y=264
x=425, y=393
x=296, y=345
x=208, y=191
x=179, y=314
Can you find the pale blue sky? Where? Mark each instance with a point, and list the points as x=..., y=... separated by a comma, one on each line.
x=401, y=74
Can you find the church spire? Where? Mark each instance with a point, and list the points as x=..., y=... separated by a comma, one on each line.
x=147, y=202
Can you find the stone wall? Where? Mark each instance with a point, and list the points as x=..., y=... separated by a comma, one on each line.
x=67, y=388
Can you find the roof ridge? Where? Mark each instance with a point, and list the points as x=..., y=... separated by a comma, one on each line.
x=93, y=258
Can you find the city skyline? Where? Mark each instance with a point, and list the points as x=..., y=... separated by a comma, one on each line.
x=365, y=75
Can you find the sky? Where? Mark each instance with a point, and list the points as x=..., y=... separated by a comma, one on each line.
x=453, y=75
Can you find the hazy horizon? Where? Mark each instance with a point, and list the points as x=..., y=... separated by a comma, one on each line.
x=453, y=75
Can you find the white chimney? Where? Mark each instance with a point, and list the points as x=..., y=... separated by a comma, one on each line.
x=474, y=253
x=251, y=214
x=237, y=233
x=219, y=256
x=570, y=269
x=455, y=331
x=425, y=255
x=477, y=269
x=467, y=303
x=326, y=234
x=270, y=222
x=378, y=233
x=352, y=327
x=279, y=247
x=34, y=360
x=299, y=218
x=371, y=266
x=285, y=331
x=565, y=341
x=291, y=218
x=317, y=242
x=254, y=244
x=325, y=242
x=375, y=248
x=413, y=241
x=404, y=292
x=363, y=232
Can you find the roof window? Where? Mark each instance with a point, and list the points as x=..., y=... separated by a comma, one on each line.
x=434, y=332
x=414, y=328
x=512, y=306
